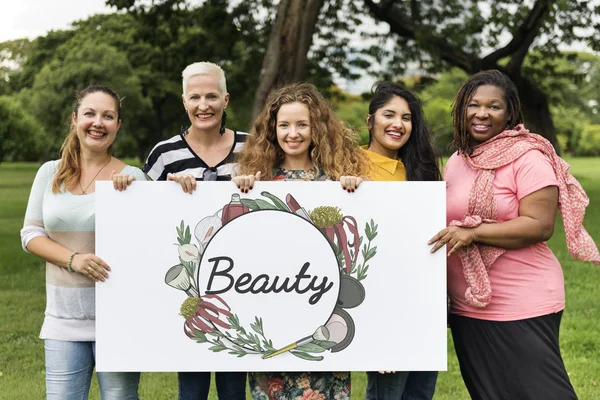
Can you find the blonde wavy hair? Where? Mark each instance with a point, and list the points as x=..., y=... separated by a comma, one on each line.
x=334, y=149
x=69, y=167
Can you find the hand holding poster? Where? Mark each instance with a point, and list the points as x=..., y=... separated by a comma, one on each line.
x=291, y=276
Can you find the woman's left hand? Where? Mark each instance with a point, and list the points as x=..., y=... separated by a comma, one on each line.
x=454, y=237
x=121, y=181
x=350, y=183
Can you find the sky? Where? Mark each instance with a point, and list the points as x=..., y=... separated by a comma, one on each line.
x=32, y=18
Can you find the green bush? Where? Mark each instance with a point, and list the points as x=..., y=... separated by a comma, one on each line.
x=589, y=143
x=21, y=136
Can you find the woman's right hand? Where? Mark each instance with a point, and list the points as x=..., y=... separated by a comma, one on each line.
x=90, y=265
x=350, y=183
x=121, y=181
x=187, y=182
x=246, y=182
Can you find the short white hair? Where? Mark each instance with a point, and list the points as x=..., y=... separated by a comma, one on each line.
x=205, y=68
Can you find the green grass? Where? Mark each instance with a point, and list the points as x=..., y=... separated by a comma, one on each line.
x=22, y=302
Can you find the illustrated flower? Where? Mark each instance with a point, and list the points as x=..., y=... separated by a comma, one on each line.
x=310, y=394
x=275, y=385
x=206, y=228
x=188, y=253
x=334, y=224
x=303, y=381
x=203, y=313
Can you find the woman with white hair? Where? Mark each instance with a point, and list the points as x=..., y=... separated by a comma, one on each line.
x=205, y=151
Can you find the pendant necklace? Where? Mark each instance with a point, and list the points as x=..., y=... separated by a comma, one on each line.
x=94, y=178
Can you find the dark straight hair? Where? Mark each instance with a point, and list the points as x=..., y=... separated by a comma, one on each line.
x=417, y=154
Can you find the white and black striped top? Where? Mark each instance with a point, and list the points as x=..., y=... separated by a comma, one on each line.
x=176, y=156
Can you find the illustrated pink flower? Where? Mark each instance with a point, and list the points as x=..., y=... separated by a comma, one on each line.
x=310, y=394
x=203, y=313
x=275, y=385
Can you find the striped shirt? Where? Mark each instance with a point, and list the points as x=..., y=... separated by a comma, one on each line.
x=176, y=156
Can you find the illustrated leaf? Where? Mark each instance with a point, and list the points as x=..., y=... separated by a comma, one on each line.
x=306, y=356
x=180, y=241
x=367, y=230
x=265, y=205
x=371, y=253
x=200, y=336
x=188, y=235
x=217, y=348
x=277, y=201
x=326, y=344
x=251, y=204
x=310, y=348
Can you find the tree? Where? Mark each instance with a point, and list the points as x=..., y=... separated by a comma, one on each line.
x=455, y=33
x=21, y=136
x=289, y=41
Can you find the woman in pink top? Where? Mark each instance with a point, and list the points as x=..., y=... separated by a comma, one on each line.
x=506, y=288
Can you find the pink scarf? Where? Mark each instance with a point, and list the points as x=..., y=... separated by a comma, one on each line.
x=496, y=152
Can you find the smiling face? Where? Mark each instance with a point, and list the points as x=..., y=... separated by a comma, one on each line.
x=97, y=121
x=204, y=102
x=293, y=134
x=391, y=126
x=487, y=113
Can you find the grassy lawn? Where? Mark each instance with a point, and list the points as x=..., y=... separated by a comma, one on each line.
x=22, y=302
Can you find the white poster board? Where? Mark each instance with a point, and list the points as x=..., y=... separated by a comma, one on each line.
x=292, y=276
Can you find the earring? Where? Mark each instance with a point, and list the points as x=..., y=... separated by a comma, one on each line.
x=184, y=124
x=223, y=121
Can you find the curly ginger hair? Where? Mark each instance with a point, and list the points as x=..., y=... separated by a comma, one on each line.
x=334, y=149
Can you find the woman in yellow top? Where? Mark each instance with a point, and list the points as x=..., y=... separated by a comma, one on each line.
x=400, y=149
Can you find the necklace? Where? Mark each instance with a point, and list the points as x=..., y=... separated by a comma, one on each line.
x=94, y=178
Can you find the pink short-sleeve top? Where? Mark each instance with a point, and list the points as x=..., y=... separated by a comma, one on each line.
x=527, y=282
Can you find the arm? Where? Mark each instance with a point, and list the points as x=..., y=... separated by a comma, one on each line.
x=86, y=264
x=535, y=223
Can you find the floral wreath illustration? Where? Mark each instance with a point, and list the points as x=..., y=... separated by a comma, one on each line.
x=205, y=314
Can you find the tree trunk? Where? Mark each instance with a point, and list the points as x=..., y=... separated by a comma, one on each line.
x=536, y=111
x=289, y=41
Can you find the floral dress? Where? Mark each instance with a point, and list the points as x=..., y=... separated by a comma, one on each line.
x=299, y=385
x=313, y=174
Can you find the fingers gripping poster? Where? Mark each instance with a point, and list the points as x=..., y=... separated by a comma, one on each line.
x=292, y=276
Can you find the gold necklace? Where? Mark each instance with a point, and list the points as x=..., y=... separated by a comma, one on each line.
x=94, y=178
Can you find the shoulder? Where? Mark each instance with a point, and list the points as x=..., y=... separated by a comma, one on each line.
x=172, y=143
x=49, y=168
x=135, y=171
x=239, y=140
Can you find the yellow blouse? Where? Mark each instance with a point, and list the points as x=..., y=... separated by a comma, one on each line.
x=383, y=168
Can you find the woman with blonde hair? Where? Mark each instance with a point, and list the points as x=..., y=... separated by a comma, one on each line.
x=298, y=137
x=59, y=227
x=206, y=150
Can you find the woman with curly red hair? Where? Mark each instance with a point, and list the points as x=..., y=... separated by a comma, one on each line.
x=298, y=137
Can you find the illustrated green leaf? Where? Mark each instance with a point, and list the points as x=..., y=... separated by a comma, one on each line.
x=217, y=348
x=251, y=204
x=310, y=348
x=326, y=344
x=307, y=356
x=265, y=205
x=277, y=201
x=371, y=253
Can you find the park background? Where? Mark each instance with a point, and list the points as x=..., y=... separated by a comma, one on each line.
x=548, y=47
